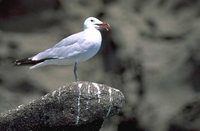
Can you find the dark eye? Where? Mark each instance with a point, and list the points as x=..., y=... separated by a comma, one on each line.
x=92, y=20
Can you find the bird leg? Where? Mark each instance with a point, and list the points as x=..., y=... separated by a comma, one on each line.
x=75, y=71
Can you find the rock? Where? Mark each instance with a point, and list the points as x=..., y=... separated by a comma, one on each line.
x=188, y=119
x=151, y=51
x=77, y=106
x=159, y=57
x=15, y=14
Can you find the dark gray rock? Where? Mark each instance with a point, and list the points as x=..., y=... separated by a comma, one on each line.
x=15, y=14
x=77, y=106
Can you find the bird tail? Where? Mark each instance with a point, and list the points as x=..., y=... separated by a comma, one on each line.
x=27, y=61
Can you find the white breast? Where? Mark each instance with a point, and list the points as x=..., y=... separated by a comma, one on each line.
x=92, y=46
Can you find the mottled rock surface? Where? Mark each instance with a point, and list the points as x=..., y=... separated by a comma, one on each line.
x=188, y=119
x=77, y=106
x=151, y=53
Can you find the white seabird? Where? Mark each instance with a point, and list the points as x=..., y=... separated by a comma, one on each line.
x=72, y=49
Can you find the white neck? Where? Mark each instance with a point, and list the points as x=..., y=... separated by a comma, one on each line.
x=93, y=34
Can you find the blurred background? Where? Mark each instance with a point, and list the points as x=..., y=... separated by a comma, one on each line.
x=151, y=54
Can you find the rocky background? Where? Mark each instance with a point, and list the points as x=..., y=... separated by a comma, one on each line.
x=151, y=54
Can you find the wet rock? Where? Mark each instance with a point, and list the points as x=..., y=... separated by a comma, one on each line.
x=77, y=106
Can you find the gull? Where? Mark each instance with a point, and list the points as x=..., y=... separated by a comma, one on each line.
x=73, y=49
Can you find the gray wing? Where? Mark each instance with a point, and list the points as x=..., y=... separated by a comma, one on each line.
x=70, y=39
x=66, y=48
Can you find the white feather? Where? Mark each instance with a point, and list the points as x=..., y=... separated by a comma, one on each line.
x=75, y=48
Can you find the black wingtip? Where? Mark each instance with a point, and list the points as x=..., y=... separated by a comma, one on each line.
x=17, y=63
x=27, y=61
x=21, y=62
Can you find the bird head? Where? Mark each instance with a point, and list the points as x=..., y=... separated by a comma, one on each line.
x=93, y=22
